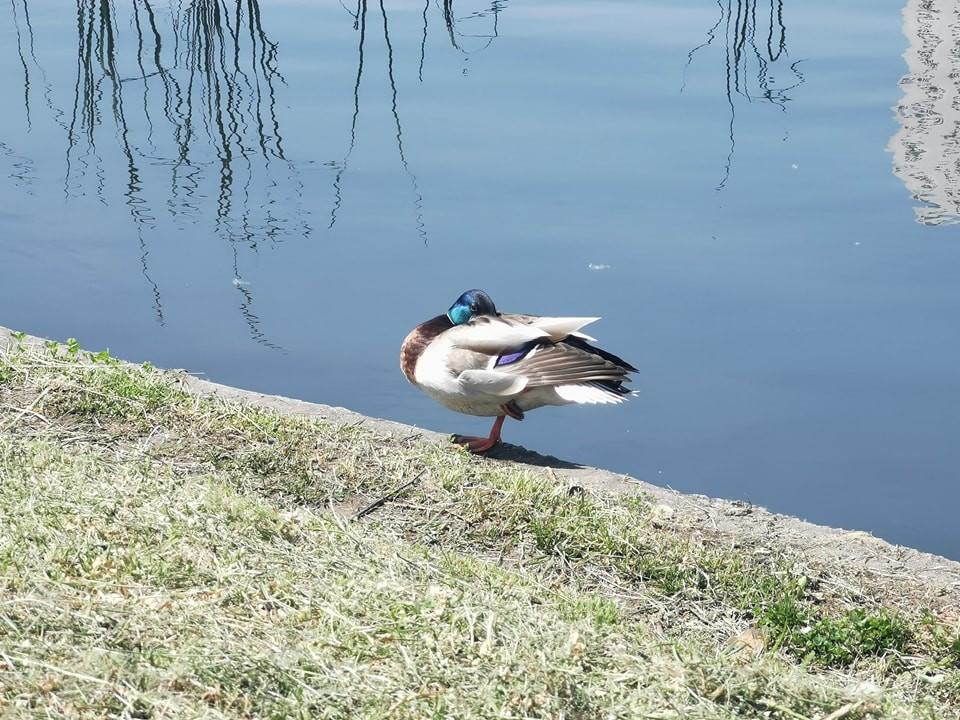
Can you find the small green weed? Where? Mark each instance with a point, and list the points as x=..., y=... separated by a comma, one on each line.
x=600, y=611
x=122, y=392
x=953, y=652
x=833, y=641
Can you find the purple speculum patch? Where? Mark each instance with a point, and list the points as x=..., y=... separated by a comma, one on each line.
x=510, y=358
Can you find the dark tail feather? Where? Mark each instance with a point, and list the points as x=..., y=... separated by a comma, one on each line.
x=582, y=344
x=613, y=386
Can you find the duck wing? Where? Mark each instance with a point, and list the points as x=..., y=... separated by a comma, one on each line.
x=570, y=361
x=498, y=334
x=557, y=328
x=506, y=354
x=503, y=355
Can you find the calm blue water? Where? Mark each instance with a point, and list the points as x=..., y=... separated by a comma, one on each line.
x=274, y=194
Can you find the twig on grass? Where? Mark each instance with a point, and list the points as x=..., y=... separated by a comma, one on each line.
x=27, y=411
x=393, y=493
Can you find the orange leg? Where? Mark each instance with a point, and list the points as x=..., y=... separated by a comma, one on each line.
x=482, y=444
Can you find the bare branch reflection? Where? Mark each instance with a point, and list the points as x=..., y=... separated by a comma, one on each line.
x=172, y=112
x=457, y=36
x=194, y=90
x=418, y=202
x=753, y=49
x=23, y=172
x=360, y=24
x=23, y=62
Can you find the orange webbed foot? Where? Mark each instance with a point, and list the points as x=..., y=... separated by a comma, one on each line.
x=478, y=445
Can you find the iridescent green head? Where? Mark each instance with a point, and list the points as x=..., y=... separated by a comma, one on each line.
x=470, y=304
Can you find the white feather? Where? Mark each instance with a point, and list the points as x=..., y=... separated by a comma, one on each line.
x=431, y=370
x=494, y=337
x=491, y=382
x=560, y=327
x=587, y=395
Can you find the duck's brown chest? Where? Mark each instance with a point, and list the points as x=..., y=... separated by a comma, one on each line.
x=416, y=342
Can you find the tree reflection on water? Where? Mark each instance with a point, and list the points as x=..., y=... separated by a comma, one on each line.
x=192, y=91
x=209, y=86
x=359, y=15
x=755, y=45
x=176, y=105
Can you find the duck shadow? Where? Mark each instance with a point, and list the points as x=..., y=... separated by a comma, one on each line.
x=518, y=454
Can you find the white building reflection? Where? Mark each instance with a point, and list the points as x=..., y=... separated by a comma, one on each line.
x=926, y=149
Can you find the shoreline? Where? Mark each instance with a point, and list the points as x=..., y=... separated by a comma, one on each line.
x=742, y=521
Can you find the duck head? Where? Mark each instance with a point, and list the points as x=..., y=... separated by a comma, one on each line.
x=470, y=304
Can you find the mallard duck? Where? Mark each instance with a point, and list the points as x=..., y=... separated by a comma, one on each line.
x=475, y=360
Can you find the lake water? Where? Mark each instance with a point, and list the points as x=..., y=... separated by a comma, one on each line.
x=755, y=198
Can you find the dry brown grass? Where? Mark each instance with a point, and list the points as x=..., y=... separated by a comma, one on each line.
x=166, y=555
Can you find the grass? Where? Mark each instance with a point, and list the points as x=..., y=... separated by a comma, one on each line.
x=167, y=555
x=836, y=641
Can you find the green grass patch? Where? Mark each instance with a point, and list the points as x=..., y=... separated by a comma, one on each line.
x=836, y=641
